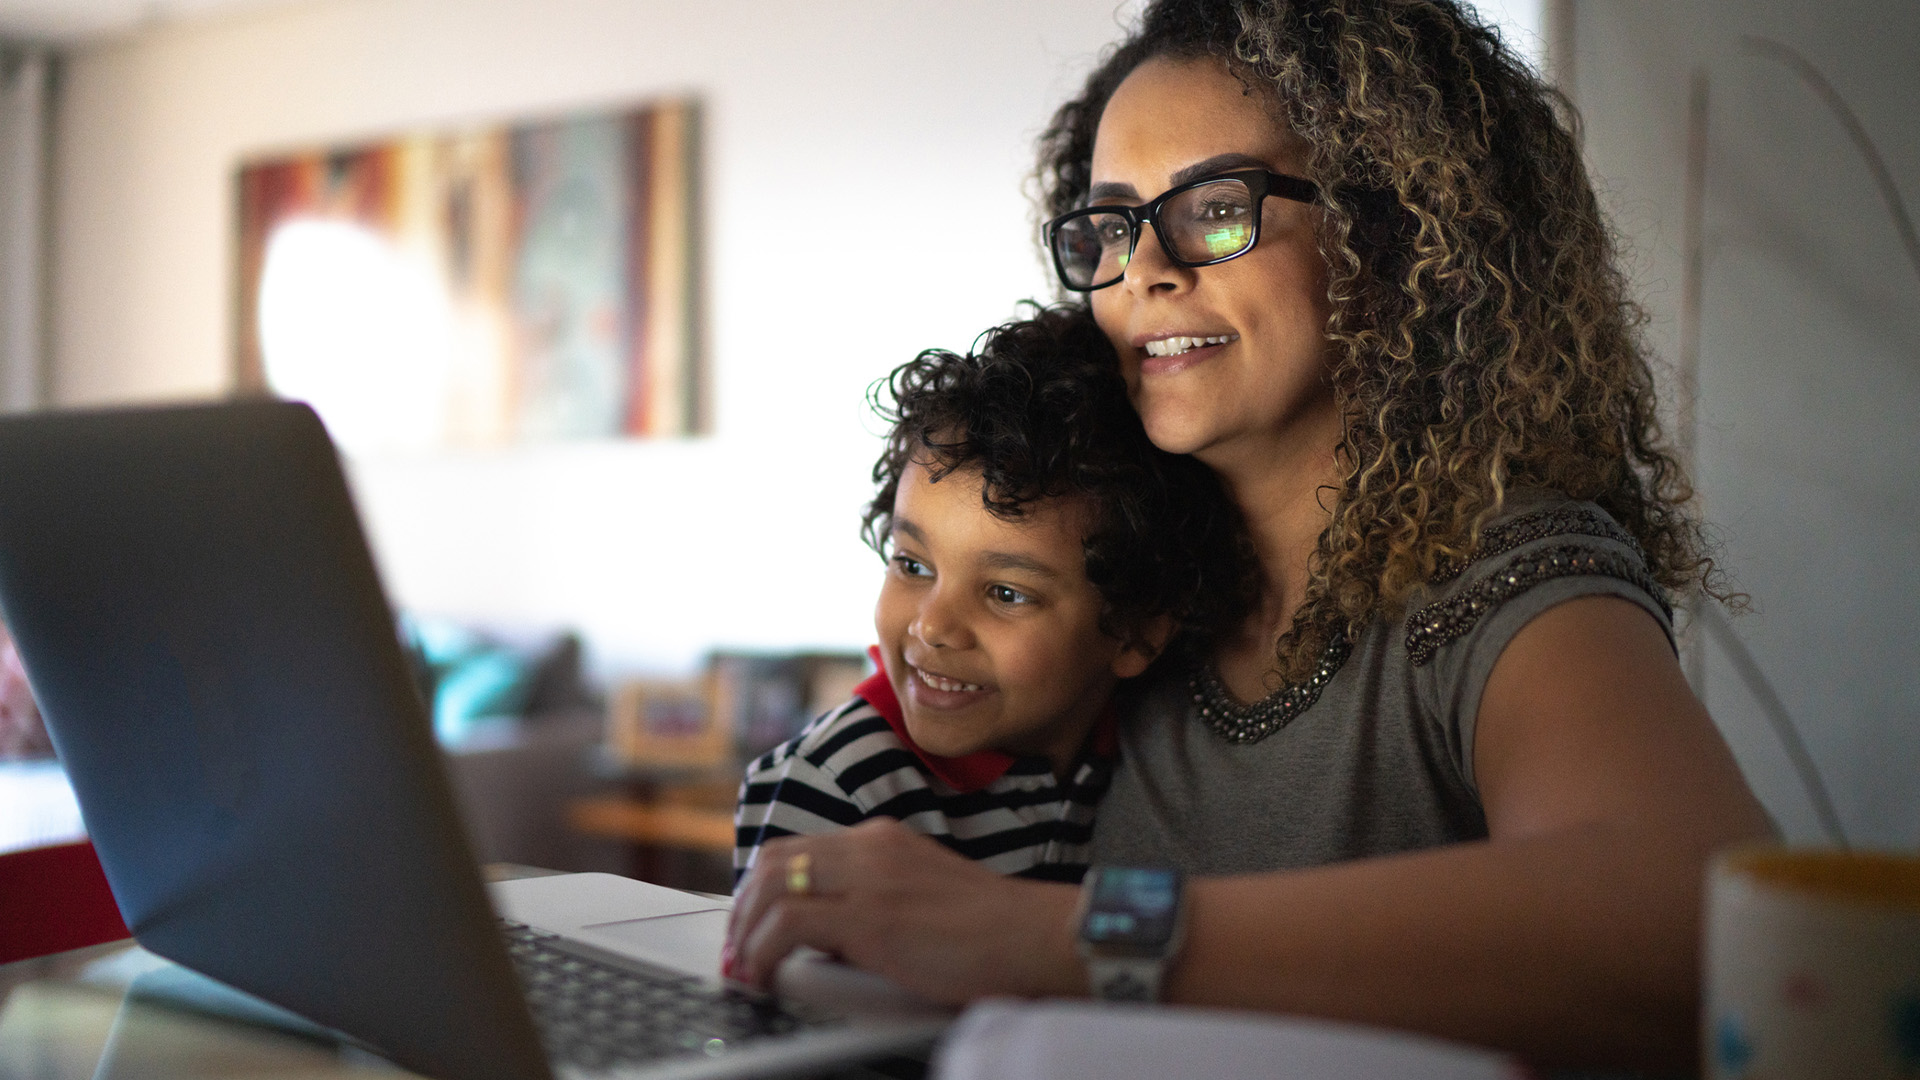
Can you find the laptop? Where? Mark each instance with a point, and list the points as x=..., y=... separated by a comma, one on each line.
x=195, y=603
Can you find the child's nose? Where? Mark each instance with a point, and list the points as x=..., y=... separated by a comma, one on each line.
x=939, y=624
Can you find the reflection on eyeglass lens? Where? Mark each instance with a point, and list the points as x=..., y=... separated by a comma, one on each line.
x=1207, y=223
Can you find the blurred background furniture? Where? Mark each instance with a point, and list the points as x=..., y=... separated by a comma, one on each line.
x=676, y=828
x=675, y=751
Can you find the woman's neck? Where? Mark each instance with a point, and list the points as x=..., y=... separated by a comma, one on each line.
x=1283, y=487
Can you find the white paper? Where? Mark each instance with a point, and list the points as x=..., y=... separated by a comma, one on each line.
x=1004, y=1040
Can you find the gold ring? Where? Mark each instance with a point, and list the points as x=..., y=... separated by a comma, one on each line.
x=800, y=874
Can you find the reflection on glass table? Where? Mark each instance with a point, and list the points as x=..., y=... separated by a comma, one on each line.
x=117, y=1011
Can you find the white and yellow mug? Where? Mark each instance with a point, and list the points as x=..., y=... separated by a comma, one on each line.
x=1812, y=966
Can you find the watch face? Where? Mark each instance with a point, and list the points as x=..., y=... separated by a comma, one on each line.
x=1131, y=907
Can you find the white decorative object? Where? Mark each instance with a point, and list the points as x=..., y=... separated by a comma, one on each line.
x=1813, y=965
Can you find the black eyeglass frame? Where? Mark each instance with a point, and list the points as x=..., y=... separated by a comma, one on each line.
x=1260, y=183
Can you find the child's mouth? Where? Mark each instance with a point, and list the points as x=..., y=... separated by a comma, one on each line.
x=944, y=684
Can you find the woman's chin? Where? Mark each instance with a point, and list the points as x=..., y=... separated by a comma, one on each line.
x=1176, y=433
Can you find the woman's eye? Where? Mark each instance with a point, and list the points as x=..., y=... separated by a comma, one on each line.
x=1007, y=594
x=1222, y=211
x=911, y=566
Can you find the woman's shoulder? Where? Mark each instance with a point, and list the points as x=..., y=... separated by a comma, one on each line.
x=1532, y=515
x=1542, y=548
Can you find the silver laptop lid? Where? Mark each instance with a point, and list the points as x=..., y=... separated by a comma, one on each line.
x=196, y=606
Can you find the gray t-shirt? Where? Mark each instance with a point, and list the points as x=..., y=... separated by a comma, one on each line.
x=1382, y=762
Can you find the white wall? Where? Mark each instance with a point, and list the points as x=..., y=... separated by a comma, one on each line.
x=1810, y=364
x=865, y=161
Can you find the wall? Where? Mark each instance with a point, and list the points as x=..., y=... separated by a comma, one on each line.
x=1809, y=369
x=865, y=161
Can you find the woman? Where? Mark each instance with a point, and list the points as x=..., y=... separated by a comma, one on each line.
x=1449, y=776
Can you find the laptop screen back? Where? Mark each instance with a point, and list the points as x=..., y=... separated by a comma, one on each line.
x=218, y=667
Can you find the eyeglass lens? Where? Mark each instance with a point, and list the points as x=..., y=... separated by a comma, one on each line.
x=1202, y=224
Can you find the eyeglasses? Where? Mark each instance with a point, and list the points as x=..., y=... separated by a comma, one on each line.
x=1200, y=223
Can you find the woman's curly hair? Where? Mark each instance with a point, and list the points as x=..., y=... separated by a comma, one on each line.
x=1481, y=330
x=1038, y=409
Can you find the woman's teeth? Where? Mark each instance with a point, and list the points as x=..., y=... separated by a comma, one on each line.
x=940, y=682
x=1174, y=346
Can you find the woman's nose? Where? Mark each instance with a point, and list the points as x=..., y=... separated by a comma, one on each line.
x=939, y=623
x=1149, y=268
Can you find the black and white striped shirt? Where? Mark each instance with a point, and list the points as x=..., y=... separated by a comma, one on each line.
x=856, y=762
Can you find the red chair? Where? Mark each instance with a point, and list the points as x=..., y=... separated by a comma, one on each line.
x=53, y=899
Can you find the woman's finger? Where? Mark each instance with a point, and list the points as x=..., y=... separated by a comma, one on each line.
x=816, y=921
x=899, y=904
x=748, y=895
x=803, y=866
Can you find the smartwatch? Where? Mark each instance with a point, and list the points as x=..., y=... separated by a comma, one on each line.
x=1131, y=923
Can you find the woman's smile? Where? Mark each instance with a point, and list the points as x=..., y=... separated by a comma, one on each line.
x=1178, y=344
x=1169, y=354
x=1223, y=361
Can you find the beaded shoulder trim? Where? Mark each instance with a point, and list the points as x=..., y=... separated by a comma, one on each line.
x=1438, y=623
x=1239, y=723
x=1561, y=520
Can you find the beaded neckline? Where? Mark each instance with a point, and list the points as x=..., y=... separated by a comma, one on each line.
x=1239, y=723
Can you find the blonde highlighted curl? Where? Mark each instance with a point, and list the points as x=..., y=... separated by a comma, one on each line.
x=1482, y=334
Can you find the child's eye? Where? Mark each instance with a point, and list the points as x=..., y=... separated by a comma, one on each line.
x=1007, y=594
x=911, y=566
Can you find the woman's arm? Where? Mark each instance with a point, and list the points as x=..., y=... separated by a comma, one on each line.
x=1570, y=936
x=1573, y=934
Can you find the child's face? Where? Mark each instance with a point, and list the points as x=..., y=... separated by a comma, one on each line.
x=990, y=627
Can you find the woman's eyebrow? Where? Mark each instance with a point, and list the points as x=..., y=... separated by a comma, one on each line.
x=1213, y=166
x=1218, y=163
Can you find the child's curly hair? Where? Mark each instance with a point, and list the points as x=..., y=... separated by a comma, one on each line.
x=1482, y=336
x=1039, y=410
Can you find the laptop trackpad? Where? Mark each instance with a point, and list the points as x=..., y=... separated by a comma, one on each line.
x=689, y=942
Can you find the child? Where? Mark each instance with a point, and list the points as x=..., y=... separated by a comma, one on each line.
x=1039, y=552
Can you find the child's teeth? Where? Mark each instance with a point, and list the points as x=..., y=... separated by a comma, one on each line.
x=949, y=685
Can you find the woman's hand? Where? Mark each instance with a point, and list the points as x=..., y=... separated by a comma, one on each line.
x=892, y=901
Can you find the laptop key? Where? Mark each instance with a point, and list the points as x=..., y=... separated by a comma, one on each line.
x=596, y=1015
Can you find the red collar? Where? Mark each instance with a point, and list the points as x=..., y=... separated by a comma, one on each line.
x=969, y=772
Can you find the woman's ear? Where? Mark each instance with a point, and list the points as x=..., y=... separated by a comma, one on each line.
x=1143, y=646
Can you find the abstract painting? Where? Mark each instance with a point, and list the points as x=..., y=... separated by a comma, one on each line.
x=519, y=283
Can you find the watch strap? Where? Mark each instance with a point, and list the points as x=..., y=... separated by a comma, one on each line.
x=1125, y=978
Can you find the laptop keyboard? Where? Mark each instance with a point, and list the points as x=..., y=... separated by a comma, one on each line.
x=594, y=1014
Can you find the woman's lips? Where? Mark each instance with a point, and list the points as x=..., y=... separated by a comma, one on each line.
x=937, y=691
x=1175, y=344
x=1195, y=351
